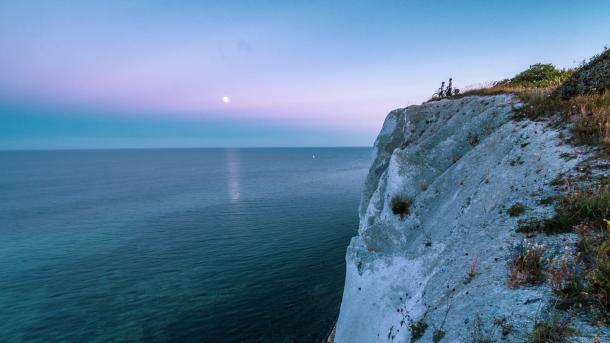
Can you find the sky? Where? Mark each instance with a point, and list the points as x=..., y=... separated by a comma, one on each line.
x=144, y=74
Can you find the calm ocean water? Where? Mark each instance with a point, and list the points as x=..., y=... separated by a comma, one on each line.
x=203, y=245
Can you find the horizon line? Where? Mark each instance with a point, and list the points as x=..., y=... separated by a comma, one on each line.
x=184, y=148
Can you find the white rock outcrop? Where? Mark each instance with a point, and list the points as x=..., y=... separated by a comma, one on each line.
x=462, y=163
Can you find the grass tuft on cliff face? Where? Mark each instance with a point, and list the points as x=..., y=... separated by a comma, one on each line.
x=593, y=259
x=584, y=205
x=593, y=113
x=401, y=206
x=579, y=206
x=417, y=330
x=438, y=335
x=516, y=209
x=599, y=279
x=527, y=268
x=551, y=331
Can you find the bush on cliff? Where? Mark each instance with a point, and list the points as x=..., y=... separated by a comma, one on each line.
x=540, y=75
x=590, y=78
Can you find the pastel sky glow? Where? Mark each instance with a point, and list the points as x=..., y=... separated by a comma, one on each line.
x=116, y=74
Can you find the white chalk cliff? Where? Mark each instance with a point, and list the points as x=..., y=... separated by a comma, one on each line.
x=463, y=163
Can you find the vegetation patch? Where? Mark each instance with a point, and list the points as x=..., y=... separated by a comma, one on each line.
x=565, y=280
x=540, y=75
x=584, y=206
x=580, y=95
x=527, y=268
x=547, y=226
x=584, y=284
x=581, y=280
x=593, y=113
x=417, y=330
x=579, y=206
x=558, y=181
x=478, y=334
x=548, y=200
x=537, y=76
x=551, y=331
x=401, y=206
x=516, y=210
x=599, y=279
x=590, y=78
x=538, y=103
x=505, y=328
x=438, y=335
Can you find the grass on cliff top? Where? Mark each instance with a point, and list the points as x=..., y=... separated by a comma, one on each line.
x=537, y=77
x=541, y=88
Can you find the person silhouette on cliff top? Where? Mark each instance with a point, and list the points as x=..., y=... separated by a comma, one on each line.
x=449, y=91
x=441, y=91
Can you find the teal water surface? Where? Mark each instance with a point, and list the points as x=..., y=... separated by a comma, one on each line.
x=201, y=245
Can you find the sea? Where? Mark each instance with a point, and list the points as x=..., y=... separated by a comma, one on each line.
x=176, y=245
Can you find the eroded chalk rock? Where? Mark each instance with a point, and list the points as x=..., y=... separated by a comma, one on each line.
x=461, y=163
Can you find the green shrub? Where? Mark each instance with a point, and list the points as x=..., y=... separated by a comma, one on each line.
x=540, y=75
x=590, y=78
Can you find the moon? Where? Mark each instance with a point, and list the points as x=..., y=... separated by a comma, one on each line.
x=225, y=99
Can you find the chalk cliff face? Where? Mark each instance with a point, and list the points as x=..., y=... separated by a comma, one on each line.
x=462, y=163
